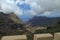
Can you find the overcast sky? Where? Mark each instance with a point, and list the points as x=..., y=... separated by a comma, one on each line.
x=26, y=9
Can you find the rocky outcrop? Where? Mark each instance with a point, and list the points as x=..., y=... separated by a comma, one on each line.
x=10, y=23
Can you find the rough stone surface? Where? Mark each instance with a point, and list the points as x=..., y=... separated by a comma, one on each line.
x=57, y=36
x=43, y=37
x=15, y=37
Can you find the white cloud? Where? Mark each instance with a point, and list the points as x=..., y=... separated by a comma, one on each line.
x=42, y=6
x=8, y=6
x=37, y=6
x=47, y=13
x=18, y=12
x=31, y=12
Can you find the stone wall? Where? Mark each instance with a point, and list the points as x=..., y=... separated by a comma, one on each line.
x=15, y=37
x=46, y=36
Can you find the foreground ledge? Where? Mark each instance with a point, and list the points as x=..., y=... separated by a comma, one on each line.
x=43, y=37
x=56, y=36
x=15, y=37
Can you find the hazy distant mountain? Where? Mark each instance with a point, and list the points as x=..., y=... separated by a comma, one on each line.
x=43, y=21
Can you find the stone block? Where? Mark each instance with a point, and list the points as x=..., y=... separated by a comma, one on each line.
x=15, y=37
x=43, y=37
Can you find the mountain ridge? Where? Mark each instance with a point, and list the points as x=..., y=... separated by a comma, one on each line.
x=43, y=21
x=9, y=23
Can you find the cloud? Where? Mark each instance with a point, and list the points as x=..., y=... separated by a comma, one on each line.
x=8, y=6
x=44, y=7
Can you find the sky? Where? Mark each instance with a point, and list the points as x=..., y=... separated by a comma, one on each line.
x=26, y=9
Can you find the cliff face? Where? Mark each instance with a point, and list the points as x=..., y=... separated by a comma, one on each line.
x=9, y=22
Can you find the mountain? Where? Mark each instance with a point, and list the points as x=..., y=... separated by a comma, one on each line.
x=43, y=21
x=14, y=18
x=10, y=23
